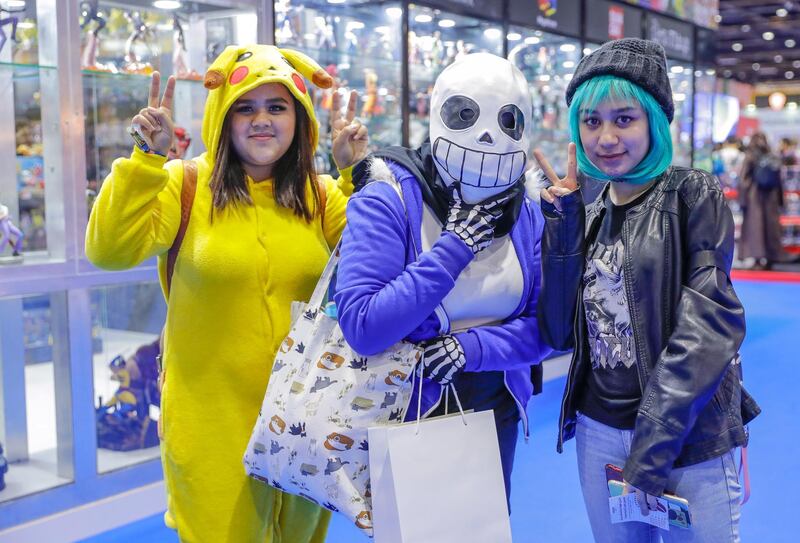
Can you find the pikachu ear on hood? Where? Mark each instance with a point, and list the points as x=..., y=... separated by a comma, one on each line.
x=308, y=68
x=218, y=71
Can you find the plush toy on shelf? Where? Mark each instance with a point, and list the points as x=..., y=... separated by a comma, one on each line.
x=180, y=145
x=371, y=106
x=7, y=230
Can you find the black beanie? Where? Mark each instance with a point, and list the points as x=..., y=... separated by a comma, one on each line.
x=639, y=61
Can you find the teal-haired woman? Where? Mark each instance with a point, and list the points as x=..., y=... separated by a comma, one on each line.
x=638, y=284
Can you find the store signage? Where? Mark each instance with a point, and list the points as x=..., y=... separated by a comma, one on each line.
x=706, y=46
x=560, y=16
x=677, y=38
x=700, y=12
x=611, y=21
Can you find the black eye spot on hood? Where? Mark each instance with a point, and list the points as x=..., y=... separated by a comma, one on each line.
x=460, y=112
x=511, y=121
x=244, y=56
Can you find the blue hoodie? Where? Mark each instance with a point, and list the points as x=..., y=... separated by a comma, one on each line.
x=386, y=293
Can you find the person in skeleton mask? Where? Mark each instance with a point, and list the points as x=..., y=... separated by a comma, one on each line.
x=442, y=248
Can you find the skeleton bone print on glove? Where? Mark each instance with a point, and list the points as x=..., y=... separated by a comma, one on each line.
x=473, y=224
x=443, y=359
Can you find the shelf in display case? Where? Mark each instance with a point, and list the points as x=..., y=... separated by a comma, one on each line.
x=24, y=66
x=342, y=56
x=134, y=77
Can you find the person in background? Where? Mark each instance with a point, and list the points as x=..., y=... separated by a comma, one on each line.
x=638, y=283
x=788, y=151
x=731, y=158
x=260, y=232
x=761, y=200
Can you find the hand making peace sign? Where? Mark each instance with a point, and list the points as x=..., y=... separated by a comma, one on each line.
x=560, y=186
x=154, y=122
x=349, y=136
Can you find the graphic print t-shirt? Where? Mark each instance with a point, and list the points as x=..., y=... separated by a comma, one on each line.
x=612, y=392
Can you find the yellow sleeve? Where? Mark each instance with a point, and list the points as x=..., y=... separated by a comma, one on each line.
x=338, y=193
x=137, y=213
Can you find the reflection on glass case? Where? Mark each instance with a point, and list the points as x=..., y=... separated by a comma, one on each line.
x=704, y=84
x=680, y=77
x=34, y=359
x=122, y=46
x=548, y=62
x=127, y=320
x=435, y=40
x=359, y=45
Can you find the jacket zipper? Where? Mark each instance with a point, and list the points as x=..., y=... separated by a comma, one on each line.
x=634, y=318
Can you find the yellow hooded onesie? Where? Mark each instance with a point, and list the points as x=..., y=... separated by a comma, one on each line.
x=229, y=305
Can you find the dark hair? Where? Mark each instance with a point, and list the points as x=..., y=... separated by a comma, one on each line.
x=291, y=171
x=758, y=144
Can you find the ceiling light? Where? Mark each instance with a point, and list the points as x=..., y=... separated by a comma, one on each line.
x=726, y=73
x=676, y=69
x=15, y=4
x=711, y=71
x=394, y=13
x=781, y=12
x=698, y=73
x=447, y=23
x=336, y=1
x=756, y=66
x=514, y=36
x=587, y=50
x=789, y=75
x=768, y=36
x=776, y=101
x=423, y=18
x=778, y=58
x=493, y=33
x=736, y=47
x=718, y=18
x=165, y=4
x=791, y=105
x=745, y=28
x=532, y=40
x=567, y=47
x=568, y=64
x=796, y=64
x=789, y=43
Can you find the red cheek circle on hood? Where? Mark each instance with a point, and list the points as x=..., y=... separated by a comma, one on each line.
x=239, y=74
x=298, y=82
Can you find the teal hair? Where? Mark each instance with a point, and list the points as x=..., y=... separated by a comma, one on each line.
x=603, y=87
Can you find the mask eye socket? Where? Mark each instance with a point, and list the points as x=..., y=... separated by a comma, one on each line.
x=244, y=56
x=459, y=112
x=511, y=121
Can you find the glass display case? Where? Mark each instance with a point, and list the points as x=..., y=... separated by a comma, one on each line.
x=548, y=61
x=122, y=46
x=34, y=427
x=359, y=44
x=680, y=77
x=25, y=84
x=127, y=321
x=436, y=38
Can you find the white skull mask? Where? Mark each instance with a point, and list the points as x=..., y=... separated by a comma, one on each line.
x=480, y=110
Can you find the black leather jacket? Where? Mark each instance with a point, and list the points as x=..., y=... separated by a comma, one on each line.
x=687, y=322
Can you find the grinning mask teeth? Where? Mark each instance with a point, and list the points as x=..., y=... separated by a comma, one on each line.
x=480, y=109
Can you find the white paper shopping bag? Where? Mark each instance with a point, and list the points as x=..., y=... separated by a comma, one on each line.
x=438, y=481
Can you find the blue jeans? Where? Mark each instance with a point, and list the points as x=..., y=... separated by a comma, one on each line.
x=711, y=487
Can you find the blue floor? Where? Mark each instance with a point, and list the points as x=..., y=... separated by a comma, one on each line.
x=546, y=503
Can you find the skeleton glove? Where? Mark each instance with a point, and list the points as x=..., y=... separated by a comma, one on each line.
x=474, y=224
x=443, y=359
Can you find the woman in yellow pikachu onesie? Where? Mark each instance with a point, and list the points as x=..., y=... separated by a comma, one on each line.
x=256, y=240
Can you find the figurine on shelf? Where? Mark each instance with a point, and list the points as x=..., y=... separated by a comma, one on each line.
x=123, y=422
x=180, y=144
x=326, y=38
x=141, y=32
x=8, y=229
x=180, y=64
x=123, y=402
x=3, y=468
x=370, y=106
x=12, y=20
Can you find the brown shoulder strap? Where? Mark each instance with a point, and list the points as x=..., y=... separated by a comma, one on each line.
x=323, y=198
x=188, y=189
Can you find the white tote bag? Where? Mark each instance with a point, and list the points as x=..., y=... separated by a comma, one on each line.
x=438, y=480
x=310, y=438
